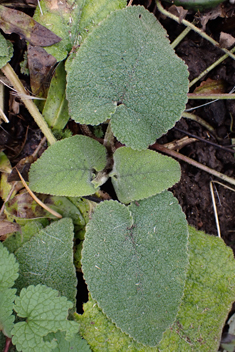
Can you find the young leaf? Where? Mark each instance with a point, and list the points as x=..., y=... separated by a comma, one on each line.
x=67, y=167
x=47, y=258
x=73, y=20
x=8, y=274
x=208, y=295
x=134, y=261
x=55, y=110
x=126, y=70
x=141, y=174
x=6, y=51
x=45, y=312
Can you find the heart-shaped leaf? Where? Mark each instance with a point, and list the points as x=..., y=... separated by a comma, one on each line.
x=208, y=296
x=141, y=174
x=67, y=167
x=134, y=261
x=126, y=70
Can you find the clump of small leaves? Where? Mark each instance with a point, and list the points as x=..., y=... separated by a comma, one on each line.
x=42, y=311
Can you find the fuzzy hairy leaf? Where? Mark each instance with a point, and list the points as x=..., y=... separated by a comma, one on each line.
x=6, y=51
x=134, y=261
x=126, y=70
x=141, y=174
x=208, y=295
x=73, y=20
x=67, y=167
x=8, y=274
x=47, y=258
x=45, y=312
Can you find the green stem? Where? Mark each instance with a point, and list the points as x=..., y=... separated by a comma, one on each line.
x=180, y=37
x=199, y=120
x=194, y=28
x=211, y=96
x=33, y=110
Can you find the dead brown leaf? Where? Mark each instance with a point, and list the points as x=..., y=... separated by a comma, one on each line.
x=41, y=66
x=226, y=40
x=14, y=21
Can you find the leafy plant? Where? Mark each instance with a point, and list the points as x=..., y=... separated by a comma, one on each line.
x=41, y=306
x=151, y=288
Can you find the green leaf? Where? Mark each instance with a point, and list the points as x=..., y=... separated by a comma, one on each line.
x=103, y=335
x=67, y=167
x=209, y=293
x=8, y=274
x=126, y=70
x=134, y=261
x=45, y=312
x=141, y=174
x=47, y=258
x=73, y=20
x=208, y=296
x=8, y=268
x=7, y=297
x=6, y=51
x=55, y=110
x=77, y=344
x=94, y=12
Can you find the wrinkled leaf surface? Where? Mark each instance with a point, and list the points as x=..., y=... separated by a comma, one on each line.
x=47, y=258
x=134, y=261
x=209, y=293
x=141, y=174
x=126, y=70
x=68, y=167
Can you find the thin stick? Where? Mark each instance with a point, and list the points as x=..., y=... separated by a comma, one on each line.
x=130, y=3
x=38, y=118
x=194, y=28
x=223, y=177
x=3, y=116
x=44, y=206
x=211, y=96
x=180, y=37
x=35, y=153
x=215, y=209
x=216, y=145
x=198, y=119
